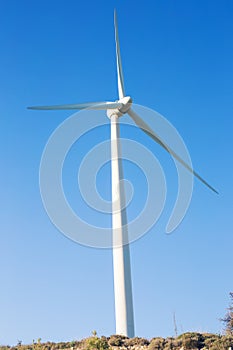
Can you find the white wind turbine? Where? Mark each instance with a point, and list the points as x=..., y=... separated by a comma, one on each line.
x=124, y=315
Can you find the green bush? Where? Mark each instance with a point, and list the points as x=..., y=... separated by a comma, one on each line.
x=95, y=343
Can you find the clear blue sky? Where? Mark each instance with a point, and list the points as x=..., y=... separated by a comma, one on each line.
x=177, y=59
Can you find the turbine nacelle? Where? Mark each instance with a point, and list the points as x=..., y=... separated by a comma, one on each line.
x=126, y=103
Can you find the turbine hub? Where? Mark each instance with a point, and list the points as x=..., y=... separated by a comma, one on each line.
x=119, y=112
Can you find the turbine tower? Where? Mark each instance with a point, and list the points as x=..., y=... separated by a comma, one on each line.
x=124, y=314
x=121, y=252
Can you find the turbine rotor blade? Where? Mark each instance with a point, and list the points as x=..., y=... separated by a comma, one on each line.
x=144, y=127
x=88, y=105
x=120, y=79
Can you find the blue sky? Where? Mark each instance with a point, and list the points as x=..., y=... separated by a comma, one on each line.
x=177, y=59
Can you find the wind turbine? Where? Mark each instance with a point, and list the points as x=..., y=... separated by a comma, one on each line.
x=124, y=314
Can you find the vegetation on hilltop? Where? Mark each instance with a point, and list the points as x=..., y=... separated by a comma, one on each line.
x=186, y=341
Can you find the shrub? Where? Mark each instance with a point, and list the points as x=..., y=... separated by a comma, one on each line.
x=95, y=343
x=171, y=343
x=209, y=339
x=156, y=344
x=223, y=343
x=117, y=340
x=143, y=342
x=192, y=340
x=136, y=342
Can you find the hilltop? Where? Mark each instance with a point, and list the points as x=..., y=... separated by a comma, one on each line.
x=186, y=341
